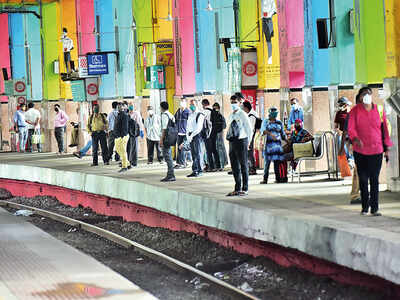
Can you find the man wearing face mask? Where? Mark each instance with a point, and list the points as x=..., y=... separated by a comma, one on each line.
x=152, y=126
x=368, y=130
x=97, y=126
x=121, y=131
x=296, y=113
x=194, y=128
x=60, y=121
x=238, y=148
x=340, y=122
x=181, y=117
x=21, y=127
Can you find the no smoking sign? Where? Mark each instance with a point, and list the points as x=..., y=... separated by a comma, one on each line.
x=19, y=87
x=92, y=89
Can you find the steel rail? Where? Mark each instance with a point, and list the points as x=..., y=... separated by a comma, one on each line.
x=129, y=244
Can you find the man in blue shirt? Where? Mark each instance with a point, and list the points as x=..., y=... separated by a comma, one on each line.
x=111, y=135
x=296, y=113
x=21, y=127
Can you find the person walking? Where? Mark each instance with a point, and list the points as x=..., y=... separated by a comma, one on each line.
x=211, y=160
x=274, y=131
x=166, y=119
x=253, y=116
x=152, y=127
x=60, y=122
x=217, y=140
x=181, y=117
x=368, y=130
x=134, y=132
x=82, y=152
x=239, y=134
x=111, y=135
x=20, y=127
x=32, y=118
x=193, y=137
x=296, y=113
x=97, y=127
x=121, y=131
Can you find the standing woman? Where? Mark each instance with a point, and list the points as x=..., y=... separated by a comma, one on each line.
x=369, y=133
x=273, y=129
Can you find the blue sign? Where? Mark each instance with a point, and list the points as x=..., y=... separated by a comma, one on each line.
x=97, y=64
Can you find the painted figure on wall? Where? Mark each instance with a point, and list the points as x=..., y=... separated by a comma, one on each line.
x=268, y=11
x=68, y=45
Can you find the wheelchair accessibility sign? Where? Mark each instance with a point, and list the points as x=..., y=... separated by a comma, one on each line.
x=97, y=64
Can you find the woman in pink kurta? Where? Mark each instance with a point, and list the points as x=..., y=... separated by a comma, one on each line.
x=370, y=141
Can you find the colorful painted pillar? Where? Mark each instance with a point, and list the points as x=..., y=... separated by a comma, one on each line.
x=5, y=52
x=17, y=44
x=85, y=25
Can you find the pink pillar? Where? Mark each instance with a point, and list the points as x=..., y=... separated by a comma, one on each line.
x=85, y=25
x=4, y=52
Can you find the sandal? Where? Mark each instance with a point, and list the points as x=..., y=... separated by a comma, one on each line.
x=232, y=194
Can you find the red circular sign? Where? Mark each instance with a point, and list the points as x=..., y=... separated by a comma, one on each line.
x=250, y=68
x=19, y=86
x=21, y=100
x=92, y=89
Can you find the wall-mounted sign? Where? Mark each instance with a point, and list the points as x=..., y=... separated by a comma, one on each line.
x=249, y=69
x=83, y=66
x=97, y=64
x=78, y=90
x=19, y=87
x=155, y=77
x=21, y=100
x=92, y=89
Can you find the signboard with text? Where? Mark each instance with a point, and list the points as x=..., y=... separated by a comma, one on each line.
x=78, y=90
x=97, y=64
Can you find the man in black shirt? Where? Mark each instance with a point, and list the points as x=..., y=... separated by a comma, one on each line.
x=121, y=131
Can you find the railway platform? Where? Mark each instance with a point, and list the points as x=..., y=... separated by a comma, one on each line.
x=36, y=266
x=314, y=217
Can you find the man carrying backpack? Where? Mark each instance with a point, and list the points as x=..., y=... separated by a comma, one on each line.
x=206, y=135
x=169, y=135
x=255, y=122
x=193, y=135
x=134, y=132
x=97, y=126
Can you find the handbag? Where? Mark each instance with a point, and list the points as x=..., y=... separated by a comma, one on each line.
x=344, y=166
x=37, y=138
x=303, y=150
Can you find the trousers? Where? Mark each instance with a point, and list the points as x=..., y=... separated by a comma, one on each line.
x=239, y=162
x=99, y=137
x=120, y=147
x=59, y=134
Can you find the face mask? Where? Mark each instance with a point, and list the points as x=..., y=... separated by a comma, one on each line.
x=56, y=109
x=298, y=128
x=151, y=112
x=192, y=107
x=343, y=108
x=235, y=106
x=367, y=99
x=130, y=107
x=96, y=110
x=183, y=104
x=216, y=109
x=295, y=106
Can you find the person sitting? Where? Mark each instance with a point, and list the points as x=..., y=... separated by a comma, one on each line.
x=299, y=136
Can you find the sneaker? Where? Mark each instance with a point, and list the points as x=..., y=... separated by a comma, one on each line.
x=243, y=193
x=123, y=170
x=177, y=166
x=376, y=214
x=107, y=163
x=264, y=182
x=94, y=165
x=77, y=155
x=193, y=175
x=356, y=201
x=149, y=162
x=364, y=213
x=129, y=167
x=230, y=173
x=168, y=179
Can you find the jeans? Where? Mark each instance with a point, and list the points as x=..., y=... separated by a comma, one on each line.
x=239, y=161
x=196, y=154
x=23, y=137
x=167, y=154
x=99, y=137
x=31, y=132
x=85, y=149
x=368, y=168
x=59, y=134
x=150, y=150
x=267, y=164
x=216, y=163
x=252, y=160
x=111, y=144
x=120, y=147
x=132, y=150
x=181, y=157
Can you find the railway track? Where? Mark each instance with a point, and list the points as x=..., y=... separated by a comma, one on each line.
x=157, y=256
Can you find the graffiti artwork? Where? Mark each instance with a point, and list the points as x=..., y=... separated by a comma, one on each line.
x=268, y=11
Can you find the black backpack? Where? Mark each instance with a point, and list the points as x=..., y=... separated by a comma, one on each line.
x=258, y=122
x=207, y=126
x=233, y=132
x=171, y=134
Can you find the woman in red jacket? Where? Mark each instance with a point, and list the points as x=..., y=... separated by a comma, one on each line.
x=369, y=133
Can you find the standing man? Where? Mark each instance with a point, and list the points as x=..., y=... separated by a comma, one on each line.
x=253, y=116
x=139, y=120
x=218, y=145
x=121, y=131
x=20, y=127
x=152, y=126
x=240, y=133
x=166, y=117
x=111, y=135
x=207, y=140
x=60, y=122
x=134, y=132
x=32, y=117
x=296, y=113
x=181, y=117
x=97, y=126
x=193, y=137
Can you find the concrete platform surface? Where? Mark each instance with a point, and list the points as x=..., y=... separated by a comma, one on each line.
x=314, y=217
x=35, y=266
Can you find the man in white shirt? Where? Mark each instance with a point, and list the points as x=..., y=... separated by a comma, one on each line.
x=253, y=115
x=152, y=126
x=166, y=149
x=207, y=110
x=193, y=137
x=32, y=119
x=238, y=148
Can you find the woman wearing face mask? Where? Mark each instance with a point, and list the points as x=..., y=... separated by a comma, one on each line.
x=369, y=133
x=340, y=122
x=273, y=129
